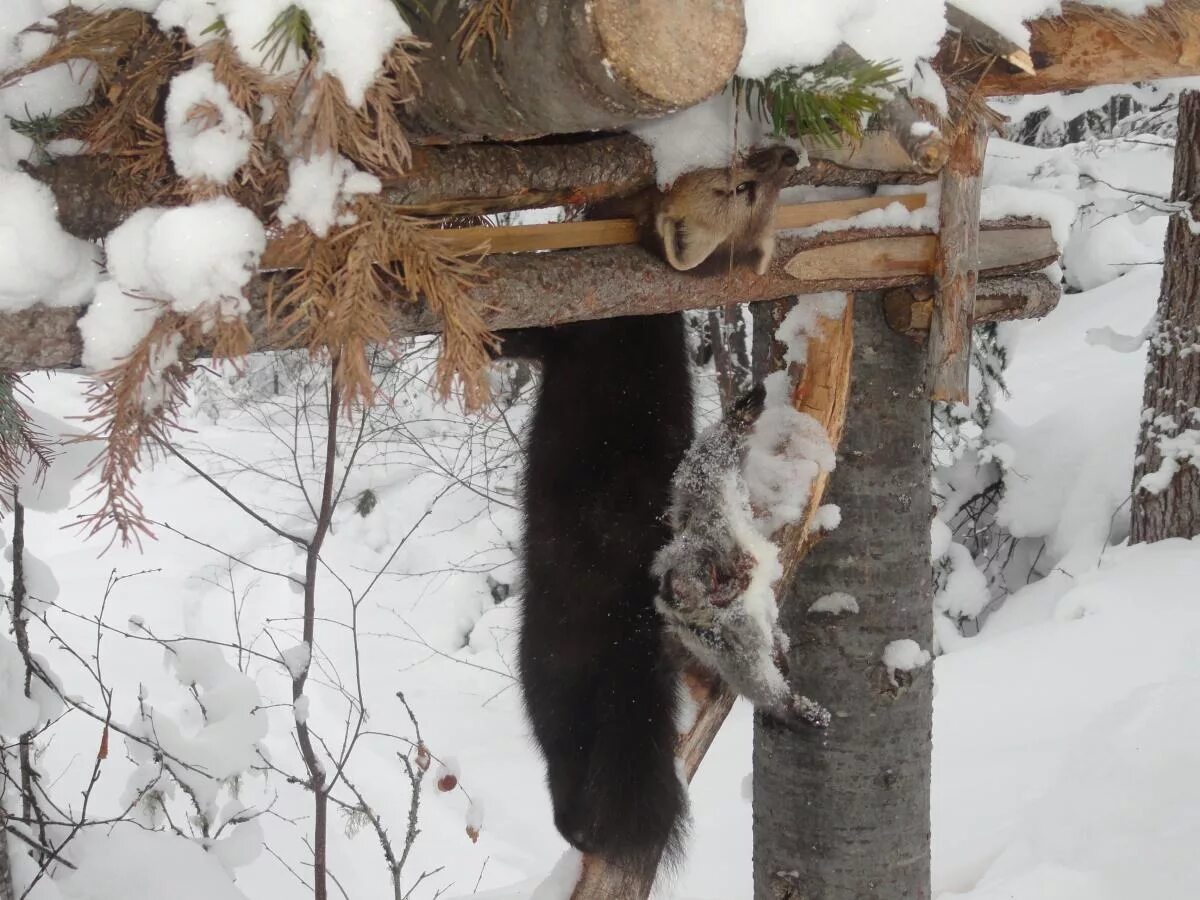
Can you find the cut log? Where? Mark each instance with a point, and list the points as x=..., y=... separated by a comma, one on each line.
x=487, y=178
x=956, y=267
x=820, y=388
x=571, y=66
x=519, y=291
x=1084, y=47
x=909, y=310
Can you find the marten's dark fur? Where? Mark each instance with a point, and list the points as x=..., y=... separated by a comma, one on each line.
x=612, y=422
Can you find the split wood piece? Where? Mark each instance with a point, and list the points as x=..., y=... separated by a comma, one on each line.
x=570, y=66
x=956, y=267
x=285, y=252
x=909, y=310
x=820, y=388
x=989, y=38
x=520, y=291
x=1084, y=47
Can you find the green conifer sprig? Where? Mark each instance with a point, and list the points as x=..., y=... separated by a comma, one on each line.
x=825, y=101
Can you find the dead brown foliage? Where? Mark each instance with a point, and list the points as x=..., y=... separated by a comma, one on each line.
x=338, y=303
x=21, y=443
x=135, y=405
x=484, y=19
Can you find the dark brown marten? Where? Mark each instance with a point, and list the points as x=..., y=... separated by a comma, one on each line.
x=612, y=421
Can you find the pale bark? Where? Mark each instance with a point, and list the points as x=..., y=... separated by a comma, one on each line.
x=843, y=813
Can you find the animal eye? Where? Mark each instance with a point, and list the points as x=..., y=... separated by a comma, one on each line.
x=746, y=187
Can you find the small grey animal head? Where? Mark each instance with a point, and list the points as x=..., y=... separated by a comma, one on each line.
x=725, y=214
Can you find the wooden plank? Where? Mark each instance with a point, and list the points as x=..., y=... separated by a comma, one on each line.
x=956, y=267
x=284, y=253
x=899, y=255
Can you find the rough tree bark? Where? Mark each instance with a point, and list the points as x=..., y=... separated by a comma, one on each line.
x=574, y=65
x=844, y=814
x=520, y=290
x=486, y=178
x=1169, y=440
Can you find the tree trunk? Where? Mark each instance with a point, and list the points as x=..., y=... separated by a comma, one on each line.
x=843, y=814
x=1166, y=476
x=571, y=66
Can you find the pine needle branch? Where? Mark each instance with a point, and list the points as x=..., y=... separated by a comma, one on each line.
x=826, y=101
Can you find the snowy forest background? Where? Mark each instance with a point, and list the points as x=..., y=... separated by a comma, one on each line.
x=1066, y=671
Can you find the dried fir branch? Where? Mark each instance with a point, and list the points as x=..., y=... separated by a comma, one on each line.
x=339, y=302
x=104, y=40
x=318, y=118
x=484, y=19
x=21, y=443
x=135, y=406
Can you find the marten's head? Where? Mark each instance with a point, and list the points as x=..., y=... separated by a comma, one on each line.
x=725, y=215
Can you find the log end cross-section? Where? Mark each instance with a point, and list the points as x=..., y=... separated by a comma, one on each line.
x=572, y=66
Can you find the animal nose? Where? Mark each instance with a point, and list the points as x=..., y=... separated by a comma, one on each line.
x=790, y=158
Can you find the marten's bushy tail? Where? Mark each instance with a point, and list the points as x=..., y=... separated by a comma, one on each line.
x=608, y=733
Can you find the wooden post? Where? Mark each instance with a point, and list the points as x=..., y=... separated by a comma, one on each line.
x=843, y=813
x=956, y=267
x=820, y=388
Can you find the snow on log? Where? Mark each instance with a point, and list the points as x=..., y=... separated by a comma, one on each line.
x=522, y=290
x=1086, y=46
x=572, y=66
x=956, y=267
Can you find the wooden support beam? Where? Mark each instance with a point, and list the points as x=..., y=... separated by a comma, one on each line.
x=1084, y=47
x=909, y=310
x=956, y=267
x=569, y=66
x=486, y=178
x=820, y=388
x=518, y=291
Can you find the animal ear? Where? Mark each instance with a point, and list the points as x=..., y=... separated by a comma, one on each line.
x=684, y=248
